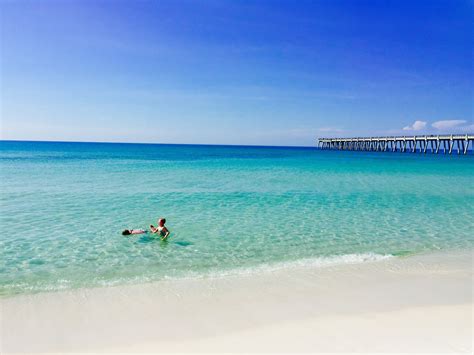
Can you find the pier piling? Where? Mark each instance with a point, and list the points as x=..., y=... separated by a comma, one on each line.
x=402, y=144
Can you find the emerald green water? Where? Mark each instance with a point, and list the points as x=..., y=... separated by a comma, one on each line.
x=231, y=210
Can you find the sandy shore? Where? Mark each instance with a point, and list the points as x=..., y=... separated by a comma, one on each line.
x=419, y=304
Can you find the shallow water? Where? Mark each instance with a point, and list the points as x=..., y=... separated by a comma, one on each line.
x=230, y=210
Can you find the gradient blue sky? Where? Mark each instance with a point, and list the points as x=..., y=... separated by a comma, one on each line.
x=234, y=72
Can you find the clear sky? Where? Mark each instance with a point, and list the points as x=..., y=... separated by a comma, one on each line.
x=234, y=72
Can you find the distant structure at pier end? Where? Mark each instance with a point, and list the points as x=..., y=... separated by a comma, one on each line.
x=420, y=144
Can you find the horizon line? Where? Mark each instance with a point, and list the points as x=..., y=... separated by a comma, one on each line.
x=156, y=143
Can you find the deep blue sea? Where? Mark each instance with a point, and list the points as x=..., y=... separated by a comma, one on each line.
x=231, y=210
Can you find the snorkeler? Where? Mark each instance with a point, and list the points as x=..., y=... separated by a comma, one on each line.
x=161, y=229
x=133, y=231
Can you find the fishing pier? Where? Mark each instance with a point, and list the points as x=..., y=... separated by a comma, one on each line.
x=413, y=144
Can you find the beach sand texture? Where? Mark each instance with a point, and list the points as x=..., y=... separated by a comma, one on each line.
x=420, y=304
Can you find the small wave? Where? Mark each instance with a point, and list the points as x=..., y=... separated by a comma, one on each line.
x=308, y=263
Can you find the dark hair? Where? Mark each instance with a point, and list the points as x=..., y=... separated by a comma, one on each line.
x=126, y=232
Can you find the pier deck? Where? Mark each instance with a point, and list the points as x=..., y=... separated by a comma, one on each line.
x=421, y=144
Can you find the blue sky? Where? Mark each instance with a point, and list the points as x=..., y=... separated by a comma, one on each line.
x=234, y=72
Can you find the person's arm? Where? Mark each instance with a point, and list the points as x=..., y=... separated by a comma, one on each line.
x=153, y=229
x=167, y=233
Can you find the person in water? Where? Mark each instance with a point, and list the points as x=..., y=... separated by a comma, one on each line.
x=160, y=229
x=133, y=231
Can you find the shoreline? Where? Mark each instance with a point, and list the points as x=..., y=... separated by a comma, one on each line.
x=420, y=303
x=245, y=271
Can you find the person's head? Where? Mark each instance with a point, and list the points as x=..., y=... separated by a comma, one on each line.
x=161, y=222
x=126, y=232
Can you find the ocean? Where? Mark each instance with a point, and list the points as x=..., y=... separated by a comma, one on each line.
x=231, y=210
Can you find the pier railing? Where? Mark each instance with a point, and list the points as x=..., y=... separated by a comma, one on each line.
x=421, y=144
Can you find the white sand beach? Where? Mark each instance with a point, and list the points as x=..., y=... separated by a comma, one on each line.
x=420, y=304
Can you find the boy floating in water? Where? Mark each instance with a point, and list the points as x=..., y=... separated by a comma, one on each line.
x=133, y=231
x=161, y=229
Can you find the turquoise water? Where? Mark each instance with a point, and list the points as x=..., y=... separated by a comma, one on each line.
x=231, y=210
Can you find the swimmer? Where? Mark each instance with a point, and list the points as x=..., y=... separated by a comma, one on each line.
x=133, y=231
x=161, y=229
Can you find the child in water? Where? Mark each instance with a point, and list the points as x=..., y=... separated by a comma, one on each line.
x=161, y=229
x=133, y=231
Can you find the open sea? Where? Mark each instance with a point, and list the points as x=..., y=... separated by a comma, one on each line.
x=231, y=210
